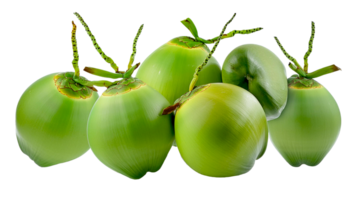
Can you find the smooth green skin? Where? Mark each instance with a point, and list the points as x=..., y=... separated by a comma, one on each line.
x=221, y=131
x=262, y=73
x=51, y=127
x=170, y=69
x=308, y=126
x=128, y=134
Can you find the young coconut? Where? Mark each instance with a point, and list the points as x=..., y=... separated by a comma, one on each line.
x=261, y=72
x=169, y=69
x=126, y=130
x=310, y=123
x=52, y=115
x=220, y=128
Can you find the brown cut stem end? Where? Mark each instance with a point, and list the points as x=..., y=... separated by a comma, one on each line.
x=89, y=70
x=168, y=110
x=93, y=89
x=337, y=68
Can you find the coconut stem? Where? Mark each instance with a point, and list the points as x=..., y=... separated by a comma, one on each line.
x=106, y=74
x=98, y=48
x=130, y=71
x=300, y=71
x=117, y=77
x=303, y=73
x=293, y=62
x=102, y=83
x=200, y=67
x=232, y=33
x=75, y=52
x=307, y=54
x=188, y=23
x=323, y=71
x=103, y=73
x=134, y=45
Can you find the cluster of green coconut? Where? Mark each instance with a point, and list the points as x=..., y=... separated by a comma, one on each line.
x=219, y=119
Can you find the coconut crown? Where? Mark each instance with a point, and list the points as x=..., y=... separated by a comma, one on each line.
x=304, y=79
x=192, y=89
x=117, y=74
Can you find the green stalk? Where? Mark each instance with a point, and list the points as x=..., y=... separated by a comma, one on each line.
x=95, y=83
x=134, y=45
x=303, y=73
x=131, y=71
x=293, y=62
x=323, y=71
x=299, y=71
x=188, y=23
x=307, y=54
x=76, y=77
x=98, y=48
x=199, y=68
x=103, y=73
x=232, y=33
x=75, y=52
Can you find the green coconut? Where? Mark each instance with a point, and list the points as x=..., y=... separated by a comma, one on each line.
x=169, y=69
x=311, y=123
